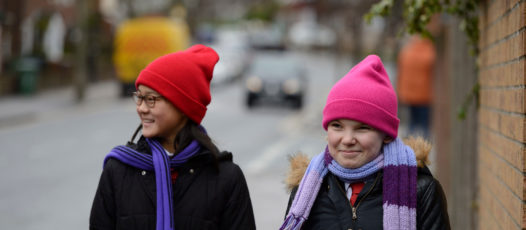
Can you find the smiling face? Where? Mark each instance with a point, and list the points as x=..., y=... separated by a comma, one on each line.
x=353, y=144
x=163, y=121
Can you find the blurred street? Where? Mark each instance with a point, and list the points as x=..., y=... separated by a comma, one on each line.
x=52, y=148
x=68, y=68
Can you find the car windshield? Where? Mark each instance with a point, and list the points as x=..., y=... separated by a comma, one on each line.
x=274, y=67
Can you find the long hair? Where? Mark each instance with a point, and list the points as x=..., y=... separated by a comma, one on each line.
x=190, y=131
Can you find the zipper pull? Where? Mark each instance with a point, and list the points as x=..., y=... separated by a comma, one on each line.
x=354, y=217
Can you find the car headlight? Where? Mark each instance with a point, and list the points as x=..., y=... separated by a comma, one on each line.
x=291, y=86
x=254, y=84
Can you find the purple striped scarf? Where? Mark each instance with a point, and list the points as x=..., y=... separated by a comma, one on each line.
x=399, y=185
x=160, y=164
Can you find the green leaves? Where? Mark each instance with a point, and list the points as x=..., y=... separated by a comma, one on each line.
x=473, y=95
x=382, y=8
x=418, y=13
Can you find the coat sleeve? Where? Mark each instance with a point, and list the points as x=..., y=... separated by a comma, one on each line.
x=432, y=208
x=102, y=215
x=291, y=199
x=238, y=213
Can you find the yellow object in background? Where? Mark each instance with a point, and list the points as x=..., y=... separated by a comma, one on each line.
x=139, y=41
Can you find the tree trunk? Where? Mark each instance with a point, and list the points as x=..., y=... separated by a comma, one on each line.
x=80, y=77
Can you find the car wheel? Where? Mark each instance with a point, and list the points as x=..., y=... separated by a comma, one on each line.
x=251, y=100
x=297, y=103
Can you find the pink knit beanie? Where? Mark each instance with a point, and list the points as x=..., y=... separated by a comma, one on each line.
x=183, y=78
x=364, y=94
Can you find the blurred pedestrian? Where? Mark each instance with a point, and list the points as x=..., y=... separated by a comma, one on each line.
x=414, y=82
x=174, y=177
x=366, y=178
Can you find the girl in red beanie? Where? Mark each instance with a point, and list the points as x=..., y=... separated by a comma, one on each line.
x=366, y=178
x=174, y=177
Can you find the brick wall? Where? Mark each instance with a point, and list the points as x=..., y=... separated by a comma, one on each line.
x=501, y=115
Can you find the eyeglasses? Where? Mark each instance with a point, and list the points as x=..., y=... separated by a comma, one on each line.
x=150, y=99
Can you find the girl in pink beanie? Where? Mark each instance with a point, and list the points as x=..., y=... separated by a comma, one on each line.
x=366, y=178
x=174, y=176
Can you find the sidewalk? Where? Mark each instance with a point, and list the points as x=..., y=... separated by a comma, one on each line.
x=21, y=109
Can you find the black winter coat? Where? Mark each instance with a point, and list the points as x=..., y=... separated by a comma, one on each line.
x=332, y=209
x=208, y=193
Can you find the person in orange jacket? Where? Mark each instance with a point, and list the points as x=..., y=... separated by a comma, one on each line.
x=415, y=71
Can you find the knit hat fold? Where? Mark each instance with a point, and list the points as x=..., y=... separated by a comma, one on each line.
x=183, y=78
x=364, y=94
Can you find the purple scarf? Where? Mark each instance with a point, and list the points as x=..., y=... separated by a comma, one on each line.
x=159, y=163
x=399, y=185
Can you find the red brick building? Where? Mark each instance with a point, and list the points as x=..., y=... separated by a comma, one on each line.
x=501, y=138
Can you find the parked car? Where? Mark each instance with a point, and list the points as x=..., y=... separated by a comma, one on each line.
x=306, y=35
x=267, y=37
x=275, y=77
x=234, y=55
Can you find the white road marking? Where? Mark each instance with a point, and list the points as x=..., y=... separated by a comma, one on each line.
x=269, y=155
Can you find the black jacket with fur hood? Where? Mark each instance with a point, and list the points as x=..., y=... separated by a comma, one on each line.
x=209, y=193
x=332, y=209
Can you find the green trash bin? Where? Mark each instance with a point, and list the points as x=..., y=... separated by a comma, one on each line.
x=27, y=69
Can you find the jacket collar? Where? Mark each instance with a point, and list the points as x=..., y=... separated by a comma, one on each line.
x=300, y=162
x=187, y=172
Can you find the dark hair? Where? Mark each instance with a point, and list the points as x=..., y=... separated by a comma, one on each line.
x=190, y=131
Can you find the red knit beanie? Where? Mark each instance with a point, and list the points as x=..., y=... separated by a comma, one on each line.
x=183, y=78
x=365, y=94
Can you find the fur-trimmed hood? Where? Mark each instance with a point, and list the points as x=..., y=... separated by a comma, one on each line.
x=299, y=162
